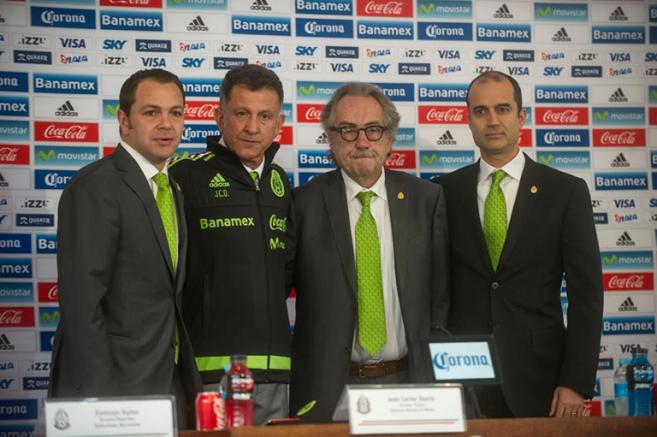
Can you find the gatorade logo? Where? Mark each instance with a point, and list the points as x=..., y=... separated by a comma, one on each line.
x=276, y=183
x=277, y=223
x=218, y=181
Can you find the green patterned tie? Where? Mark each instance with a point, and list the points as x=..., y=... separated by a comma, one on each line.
x=495, y=218
x=371, y=313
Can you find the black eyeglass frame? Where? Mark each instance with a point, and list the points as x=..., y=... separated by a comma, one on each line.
x=370, y=132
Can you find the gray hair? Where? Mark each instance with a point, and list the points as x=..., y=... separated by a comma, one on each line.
x=390, y=115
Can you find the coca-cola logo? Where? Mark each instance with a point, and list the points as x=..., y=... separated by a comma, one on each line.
x=622, y=138
x=388, y=8
x=568, y=116
x=200, y=110
x=52, y=132
x=628, y=281
x=448, y=115
x=16, y=316
x=70, y=132
x=619, y=137
x=401, y=159
x=8, y=154
x=48, y=292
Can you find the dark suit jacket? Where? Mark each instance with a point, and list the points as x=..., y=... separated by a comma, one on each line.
x=325, y=281
x=118, y=295
x=551, y=232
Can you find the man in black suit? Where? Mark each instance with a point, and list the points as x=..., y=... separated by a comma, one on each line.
x=516, y=227
x=371, y=269
x=121, y=254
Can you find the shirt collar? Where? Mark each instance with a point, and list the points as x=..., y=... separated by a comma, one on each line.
x=146, y=167
x=353, y=188
x=512, y=168
x=248, y=169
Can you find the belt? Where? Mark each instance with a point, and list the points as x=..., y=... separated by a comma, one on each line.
x=376, y=370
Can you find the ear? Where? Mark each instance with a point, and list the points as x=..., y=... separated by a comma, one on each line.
x=523, y=117
x=124, y=122
x=219, y=117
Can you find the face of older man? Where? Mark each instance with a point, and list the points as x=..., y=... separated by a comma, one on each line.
x=362, y=159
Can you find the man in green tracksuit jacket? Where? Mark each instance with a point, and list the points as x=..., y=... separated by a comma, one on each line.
x=238, y=210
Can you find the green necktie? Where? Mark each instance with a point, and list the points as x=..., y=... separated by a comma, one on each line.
x=371, y=313
x=164, y=200
x=495, y=218
x=256, y=178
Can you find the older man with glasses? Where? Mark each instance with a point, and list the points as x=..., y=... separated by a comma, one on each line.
x=371, y=269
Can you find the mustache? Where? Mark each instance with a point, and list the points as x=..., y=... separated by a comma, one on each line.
x=357, y=154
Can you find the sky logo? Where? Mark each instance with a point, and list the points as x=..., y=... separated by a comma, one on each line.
x=630, y=260
x=561, y=12
x=442, y=9
x=15, y=243
x=562, y=138
x=322, y=7
x=324, y=28
x=14, y=130
x=504, y=32
x=52, y=179
x=445, y=160
x=307, y=90
x=619, y=116
x=314, y=159
x=63, y=155
x=46, y=243
x=62, y=17
x=14, y=106
x=12, y=81
x=261, y=25
x=561, y=94
x=16, y=268
x=621, y=181
x=131, y=21
x=201, y=87
x=22, y=292
x=398, y=92
x=65, y=83
x=565, y=160
x=628, y=325
x=618, y=34
x=432, y=92
x=444, y=31
x=384, y=30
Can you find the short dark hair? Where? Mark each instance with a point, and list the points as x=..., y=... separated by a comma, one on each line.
x=129, y=87
x=498, y=76
x=253, y=77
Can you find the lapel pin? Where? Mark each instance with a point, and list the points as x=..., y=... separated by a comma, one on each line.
x=400, y=196
x=533, y=189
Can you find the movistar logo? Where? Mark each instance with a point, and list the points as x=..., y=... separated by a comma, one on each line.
x=546, y=159
x=43, y=156
x=609, y=260
x=218, y=181
x=276, y=243
x=111, y=109
x=306, y=91
x=277, y=223
x=601, y=115
x=226, y=222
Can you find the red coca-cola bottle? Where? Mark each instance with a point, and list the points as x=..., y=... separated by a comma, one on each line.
x=239, y=393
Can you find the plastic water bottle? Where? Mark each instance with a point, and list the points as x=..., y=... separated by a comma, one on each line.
x=640, y=375
x=620, y=387
x=239, y=389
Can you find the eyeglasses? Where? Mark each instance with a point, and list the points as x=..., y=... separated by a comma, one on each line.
x=350, y=133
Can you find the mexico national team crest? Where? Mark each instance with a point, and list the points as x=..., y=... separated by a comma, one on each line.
x=62, y=421
x=277, y=186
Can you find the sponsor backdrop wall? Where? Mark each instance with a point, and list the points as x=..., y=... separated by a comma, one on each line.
x=588, y=73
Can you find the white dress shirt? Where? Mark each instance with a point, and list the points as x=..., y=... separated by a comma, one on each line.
x=248, y=169
x=509, y=184
x=395, y=347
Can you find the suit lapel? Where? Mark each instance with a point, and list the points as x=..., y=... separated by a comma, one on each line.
x=182, y=236
x=398, y=207
x=335, y=202
x=525, y=203
x=471, y=212
x=135, y=179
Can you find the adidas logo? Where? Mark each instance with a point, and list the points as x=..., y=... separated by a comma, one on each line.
x=66, y=110
x=197, y=25
x=625, y=240
x=5, y=344
x=561, y=36
x=260, y=5
x=627, y=305
x=620, y=161
x=503, y=12
x=3, y=182
x=218, y=181
x=322, y=139
x=618, y=96
x=618, y=15
x=446, y=139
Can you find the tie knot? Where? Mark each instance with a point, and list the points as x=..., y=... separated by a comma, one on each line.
x=365, y=198
x=254, y=175
x=497, y=176
x=161, y=180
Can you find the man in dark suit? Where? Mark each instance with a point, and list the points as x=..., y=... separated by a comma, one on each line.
x=121, y=252
x=516, y=227
x=371, y=270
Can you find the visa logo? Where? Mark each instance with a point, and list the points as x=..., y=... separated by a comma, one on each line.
x=191, y=62
x=268, y=49
x=552, y=71
x=484, y=54
x=518, y=71
x=378, y=68
x=73, y=43
x=341, y=68
x=114, y=44
x=620, y=57
x=450, y=54
x=305, y=50
x=153, y=62
x=624, y=203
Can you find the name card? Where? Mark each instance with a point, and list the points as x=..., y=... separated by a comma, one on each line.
x=144, y=415
x=403, y=409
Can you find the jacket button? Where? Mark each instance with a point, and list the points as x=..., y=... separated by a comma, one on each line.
x=347, y=349
x=495, y=285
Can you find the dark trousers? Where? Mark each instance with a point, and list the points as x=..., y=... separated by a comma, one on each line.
x=184, y=406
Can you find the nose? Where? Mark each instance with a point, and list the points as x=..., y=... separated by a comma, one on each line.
x=251, y=125
x=166, y=121
x=492, y=118
x=361, y=140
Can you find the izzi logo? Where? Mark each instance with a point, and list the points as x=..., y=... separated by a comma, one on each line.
x=14, y=106
x=15, y=243
x=324, y=28
x=444, y=31
x=322, y=7
x=65, y=83
x=262, y=25
x=12, y=81
x=384, y=30
x=314, y=159
x=431, y=92
x=504, y=32
x=628, y=325
x=625, y=34
x=62, y=17
x=141, y=21
x=544, y=11
x=571, y=160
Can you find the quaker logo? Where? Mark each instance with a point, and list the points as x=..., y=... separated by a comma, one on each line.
x=35, y=382
x=114, y=44
x=445, y=160
x=518, y=55
x=48, y=292
x=518, y=71
x=561, y=35
x=606, y=364
x=384, y=30
x=114, y=60
x=192, y=62
x=141, y=21
x=444, y=31
x=401, y=159
x=628, y=325
x=627, y=260
x=619, y=116
x=621, y=181
x=339, y=67
x=561, y=94
x=52, y=179
x=625, y=71
x=618, y=15
x=571, y=160
x=560, y=12
x=448, y=54
x=64, y=83
x=260, y=5
x=229, y=63
x=484, y=55
x=264, y=26
x=14, y=106
x=30, y=220
x=619, y=137
x=22, y=292
x=321, y=7
x=618, y=34
x=398, y=92
x=15, y=243
x=15, y=268
x=62, y=17
x=562, y=137
x=201, y=87
x=153, y=45
x=600, y=218
x=48, y=317
x=153, y=61
x=562, y=116
x=413, y=68
x=66, y=110
x=305, y=50
x=553, y=56
x=342, y=52
x=33, y=41
x=197, y=133
x=504, y=32
x=45, y=340
x=314, y=159
x=552, y=71
x=432, y=92
x=586, y=71
x=13, y=81
x=32, y=57
x=378, y=68
x=19, y=409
